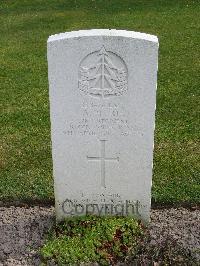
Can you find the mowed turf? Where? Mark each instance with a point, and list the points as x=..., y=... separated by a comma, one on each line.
x=25, y=147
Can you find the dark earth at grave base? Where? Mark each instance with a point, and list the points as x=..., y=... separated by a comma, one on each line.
x=22, y=232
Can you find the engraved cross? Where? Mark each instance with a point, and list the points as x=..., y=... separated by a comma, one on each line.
x=103, y=160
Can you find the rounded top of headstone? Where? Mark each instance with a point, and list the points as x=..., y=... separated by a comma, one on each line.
x=103, y=32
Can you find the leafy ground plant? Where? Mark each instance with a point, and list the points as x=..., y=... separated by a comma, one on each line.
x=106, y=240
x=110, y=241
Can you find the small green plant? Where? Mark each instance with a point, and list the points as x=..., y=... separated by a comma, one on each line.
x=106, y=240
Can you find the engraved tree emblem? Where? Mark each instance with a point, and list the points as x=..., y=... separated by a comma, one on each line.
x=106, y=77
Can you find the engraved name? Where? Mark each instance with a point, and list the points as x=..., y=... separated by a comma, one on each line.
x=100, y=120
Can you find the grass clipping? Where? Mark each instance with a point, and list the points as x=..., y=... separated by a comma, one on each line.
x=106, y=240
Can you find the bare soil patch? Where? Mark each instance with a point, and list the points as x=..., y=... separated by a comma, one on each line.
x=22, y=231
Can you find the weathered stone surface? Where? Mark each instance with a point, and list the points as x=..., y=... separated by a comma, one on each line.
x=102, y=100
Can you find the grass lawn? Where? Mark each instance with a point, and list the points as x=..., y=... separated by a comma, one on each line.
x=25, y=148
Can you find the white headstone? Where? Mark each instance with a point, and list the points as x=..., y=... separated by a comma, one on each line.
x=102, y=101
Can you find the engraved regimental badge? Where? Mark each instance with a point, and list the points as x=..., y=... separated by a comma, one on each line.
x=103, y=74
